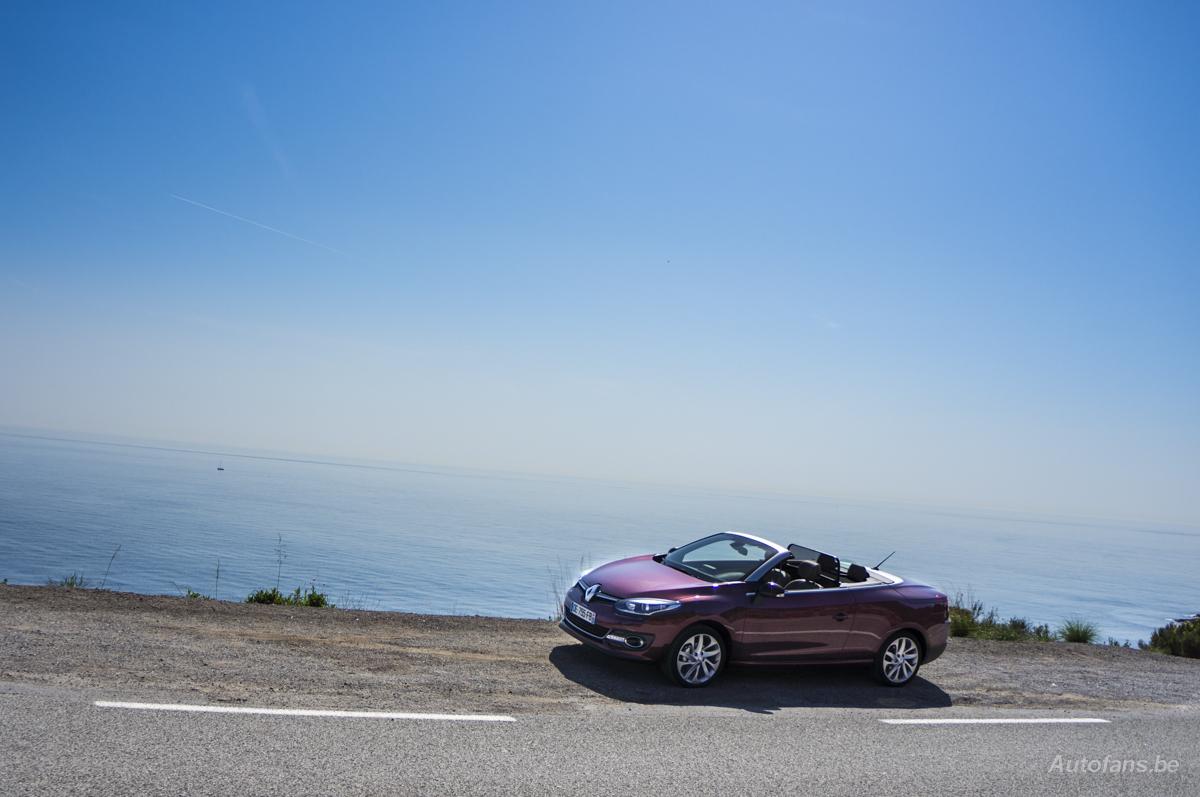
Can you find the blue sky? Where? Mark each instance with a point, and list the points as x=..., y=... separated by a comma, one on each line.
x=940, y=253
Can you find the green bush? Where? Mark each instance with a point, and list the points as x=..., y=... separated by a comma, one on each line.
x=297, y=598
x=269, y=596
x=964, y=618
x=1015, y=629
x=73, y=581
x=1077, y=630
x=317, y=600
x=1176, y=639
x=968, y=619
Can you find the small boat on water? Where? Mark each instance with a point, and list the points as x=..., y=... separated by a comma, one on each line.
x=220, y=466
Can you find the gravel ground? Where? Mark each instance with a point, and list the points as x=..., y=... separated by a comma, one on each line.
x=139, y=646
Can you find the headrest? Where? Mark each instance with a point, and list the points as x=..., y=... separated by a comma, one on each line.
x=807, y=569
x=828, y=563
x=857, y=573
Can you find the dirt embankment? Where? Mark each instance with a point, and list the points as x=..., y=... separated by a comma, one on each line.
x=154, y=647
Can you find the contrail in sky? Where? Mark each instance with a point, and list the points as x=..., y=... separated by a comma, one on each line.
x=258, y=224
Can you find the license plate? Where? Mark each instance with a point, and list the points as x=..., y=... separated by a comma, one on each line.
x=582, y=613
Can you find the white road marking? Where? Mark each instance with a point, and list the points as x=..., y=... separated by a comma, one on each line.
x=305, y=712
x=1001, y=721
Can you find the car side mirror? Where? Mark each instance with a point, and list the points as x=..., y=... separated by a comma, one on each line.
x=771, y=589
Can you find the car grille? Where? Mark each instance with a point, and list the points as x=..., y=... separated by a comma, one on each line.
x=585, y=626
x=600, y=596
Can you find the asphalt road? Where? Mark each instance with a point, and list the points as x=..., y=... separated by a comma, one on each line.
x=54, y=740
x=581, y=722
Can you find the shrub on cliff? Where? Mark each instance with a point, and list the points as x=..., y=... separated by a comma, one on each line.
x=1176, y=639
x=296, y=598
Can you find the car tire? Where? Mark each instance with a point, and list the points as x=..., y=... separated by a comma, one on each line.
x=898, y=659
x=696, y=657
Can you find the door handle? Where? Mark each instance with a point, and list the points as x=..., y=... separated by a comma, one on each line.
x=840, y=616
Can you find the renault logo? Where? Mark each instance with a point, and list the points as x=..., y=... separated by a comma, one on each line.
x=590, y=593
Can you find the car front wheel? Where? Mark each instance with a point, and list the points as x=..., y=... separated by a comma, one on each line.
x=898, y=660
x=696, y=657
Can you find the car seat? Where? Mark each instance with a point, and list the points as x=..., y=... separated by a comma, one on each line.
x=857, y=573
x=808, y=574
x=830, y=571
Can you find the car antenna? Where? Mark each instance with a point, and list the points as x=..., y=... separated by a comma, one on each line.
x=884, y=559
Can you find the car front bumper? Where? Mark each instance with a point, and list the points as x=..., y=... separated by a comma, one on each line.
x=611, y=642
x=611, y=628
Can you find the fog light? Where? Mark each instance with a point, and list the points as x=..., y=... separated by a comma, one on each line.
x=631, y=642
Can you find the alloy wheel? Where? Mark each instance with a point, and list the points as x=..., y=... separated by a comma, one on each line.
x=699, y=658
x=900, y=659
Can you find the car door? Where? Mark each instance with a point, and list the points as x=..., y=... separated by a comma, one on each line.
x=799, y=624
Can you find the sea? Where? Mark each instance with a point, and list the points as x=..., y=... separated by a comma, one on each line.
x=162, y=519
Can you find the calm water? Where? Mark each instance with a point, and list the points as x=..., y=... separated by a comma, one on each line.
x=465, y=542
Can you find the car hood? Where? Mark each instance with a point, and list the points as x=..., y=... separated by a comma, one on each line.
x=640, y=575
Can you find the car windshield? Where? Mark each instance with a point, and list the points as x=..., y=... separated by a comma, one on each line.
x=722, y=557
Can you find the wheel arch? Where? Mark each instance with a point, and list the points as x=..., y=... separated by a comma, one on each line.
x=725, y=633
x=915, y=630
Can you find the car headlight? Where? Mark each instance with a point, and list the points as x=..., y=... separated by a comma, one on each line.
x=645, y=606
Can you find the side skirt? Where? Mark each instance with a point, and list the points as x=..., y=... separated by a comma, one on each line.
x=800, y=662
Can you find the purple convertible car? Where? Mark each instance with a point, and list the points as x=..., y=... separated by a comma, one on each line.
x=738, y=598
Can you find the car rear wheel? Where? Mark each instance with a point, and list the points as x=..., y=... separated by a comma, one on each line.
x=696, y=657
x=898, y=660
